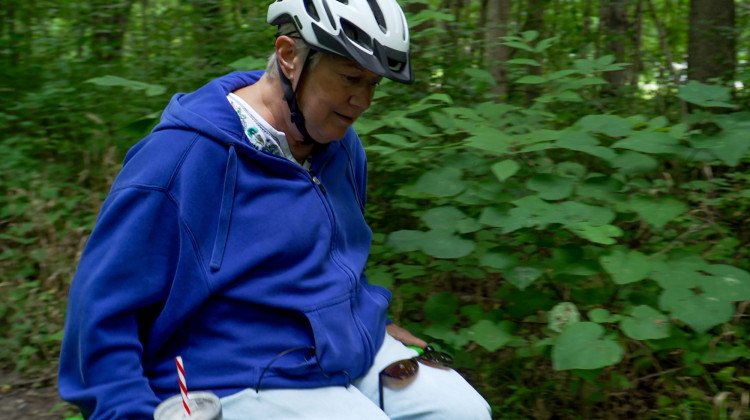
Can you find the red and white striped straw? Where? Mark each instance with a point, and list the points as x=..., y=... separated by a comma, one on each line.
x=183, y=386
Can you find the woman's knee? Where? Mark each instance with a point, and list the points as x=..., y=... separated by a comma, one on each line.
x=447, y=395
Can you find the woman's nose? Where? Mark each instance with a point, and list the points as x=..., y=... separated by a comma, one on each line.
x=362, y=97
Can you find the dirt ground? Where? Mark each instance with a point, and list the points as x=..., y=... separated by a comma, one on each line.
x=32, y=398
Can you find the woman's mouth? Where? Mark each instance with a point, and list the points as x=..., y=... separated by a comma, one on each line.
x=345, y=117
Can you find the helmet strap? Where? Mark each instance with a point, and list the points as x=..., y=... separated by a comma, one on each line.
x=291, y=99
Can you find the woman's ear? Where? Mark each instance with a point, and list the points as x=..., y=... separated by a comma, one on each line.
x=286, y=52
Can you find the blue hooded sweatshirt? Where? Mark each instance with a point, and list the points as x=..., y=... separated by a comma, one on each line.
x=232, y=258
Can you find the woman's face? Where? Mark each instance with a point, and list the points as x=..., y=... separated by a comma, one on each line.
x=333, y=95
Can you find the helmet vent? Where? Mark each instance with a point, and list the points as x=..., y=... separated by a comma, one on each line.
x=311, y=10
x=378, y=14
x=395, y=65
x=356, y=35
x=346, y=2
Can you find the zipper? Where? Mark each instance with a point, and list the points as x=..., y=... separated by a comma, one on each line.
x=316, y=181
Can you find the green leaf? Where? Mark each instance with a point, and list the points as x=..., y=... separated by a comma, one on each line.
x=658, y=122
x=492, y=216
x=601, y=188
x=626, y=266
x=601, y=316
x=481, y=76
x=706, y=95
x=569, y=259
x=519, y=45
x=441, y=244
x=446, y=334
x=546, y=43
x=526, y=61
x=551, y=187
x=583, y=346
x=408, y=271
x=414, y=126
x=584, y=65
x=569, y=96
x=531, y=79
x=429, y=14
x=441, y=309
x=587, y=81
x=379, y=276
x=442, y=182
x=700, y=312
x=605, y=60
x=633, y=163
x=493, y=141
x=561, y=74
x=725, y=354
x=443, y=218
x=394, y=140
x=645, y=323
x=650, y=142
x=492, y=336
x=573, y=212
x=529, y=36
x=602, y=234
x=109, y=80
x=728, y=283
x=610, y=125
x=523, y=276
x=505, y=169
x=405, y=240
x=468, y=225
x=498, y=260
x=657, y=212
x=728, y=146
x=249, y=63
x=675, y=275
x=584, y=142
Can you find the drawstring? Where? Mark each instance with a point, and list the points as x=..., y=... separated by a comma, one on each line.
x=225, y=213
x=293, y=349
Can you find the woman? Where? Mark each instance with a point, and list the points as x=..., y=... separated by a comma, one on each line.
x=235, y=237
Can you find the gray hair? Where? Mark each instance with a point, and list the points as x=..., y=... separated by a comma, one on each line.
x=288, y=29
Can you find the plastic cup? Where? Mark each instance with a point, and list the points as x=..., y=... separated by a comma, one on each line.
x=203, y=406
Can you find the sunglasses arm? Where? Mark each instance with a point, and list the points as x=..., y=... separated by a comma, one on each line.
x=380, y=391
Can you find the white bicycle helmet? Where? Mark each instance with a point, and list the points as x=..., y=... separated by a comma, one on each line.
x=372, y=33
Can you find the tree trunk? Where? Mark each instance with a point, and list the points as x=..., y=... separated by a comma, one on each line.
x=535, y=22
x=711, y=40
x=419, y=44
x=615, y=28
x=208, y=32
x=637, y=40
x=667, y=52
x=587, y=23
x=109, y=21
x=498, y=19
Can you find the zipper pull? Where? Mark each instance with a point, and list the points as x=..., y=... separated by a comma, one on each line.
x=317, y=182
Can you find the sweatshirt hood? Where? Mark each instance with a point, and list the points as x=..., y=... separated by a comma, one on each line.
x=201, y=111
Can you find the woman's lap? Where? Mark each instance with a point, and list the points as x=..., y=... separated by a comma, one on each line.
x=434, y=394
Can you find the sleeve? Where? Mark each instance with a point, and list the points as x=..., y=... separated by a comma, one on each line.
x=124, y=273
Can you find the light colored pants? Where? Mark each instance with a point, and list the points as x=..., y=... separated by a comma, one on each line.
x=435, y=394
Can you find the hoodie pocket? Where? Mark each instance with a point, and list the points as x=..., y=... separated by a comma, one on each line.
x=348, y=333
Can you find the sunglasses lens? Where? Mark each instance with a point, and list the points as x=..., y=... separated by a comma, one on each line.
x=401, y=369
x=436, y=359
